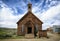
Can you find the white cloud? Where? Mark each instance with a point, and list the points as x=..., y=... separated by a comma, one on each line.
x=52, y=12
x=7, y=19
x=47, y=16
x=56, y=22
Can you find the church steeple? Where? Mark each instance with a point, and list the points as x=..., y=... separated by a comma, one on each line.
x=29, y=7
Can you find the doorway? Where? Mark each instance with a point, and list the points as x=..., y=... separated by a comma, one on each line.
x=29, y=30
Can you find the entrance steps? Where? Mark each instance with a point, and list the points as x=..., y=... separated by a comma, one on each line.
x=29, y=36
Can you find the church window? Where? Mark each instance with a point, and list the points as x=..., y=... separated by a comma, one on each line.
x=22, y=28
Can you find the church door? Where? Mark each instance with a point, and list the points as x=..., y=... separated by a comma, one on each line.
x=29, y=30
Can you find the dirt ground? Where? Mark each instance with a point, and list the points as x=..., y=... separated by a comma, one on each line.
x=52, y=37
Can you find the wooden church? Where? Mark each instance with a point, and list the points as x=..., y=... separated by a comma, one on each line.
x=30, y=25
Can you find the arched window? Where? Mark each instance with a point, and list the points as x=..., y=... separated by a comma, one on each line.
x=22, y=28
x=36, y=27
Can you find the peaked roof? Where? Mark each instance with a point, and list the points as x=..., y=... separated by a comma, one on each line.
x=27, y=14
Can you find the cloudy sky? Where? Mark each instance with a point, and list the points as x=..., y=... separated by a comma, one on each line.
x=47, y=11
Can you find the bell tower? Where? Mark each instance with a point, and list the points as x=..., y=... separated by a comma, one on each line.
x=29, y=7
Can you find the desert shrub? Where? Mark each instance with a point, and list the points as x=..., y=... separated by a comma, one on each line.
x=5, y=36
x=14, y=33
x=48, y=37
x=8, y=35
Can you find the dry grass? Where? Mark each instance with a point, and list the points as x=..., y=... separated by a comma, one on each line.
x=52, y=37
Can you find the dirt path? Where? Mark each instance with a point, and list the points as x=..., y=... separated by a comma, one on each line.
x=54, y=37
